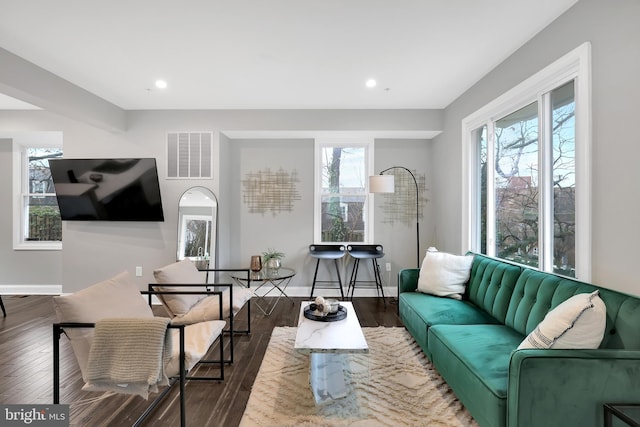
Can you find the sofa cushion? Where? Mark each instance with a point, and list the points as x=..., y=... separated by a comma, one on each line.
x=182, y=272
x=578, y=322
x=115, y=297
x=444, y=274
x=419, y=312
x=474, y=361
x=434, y=310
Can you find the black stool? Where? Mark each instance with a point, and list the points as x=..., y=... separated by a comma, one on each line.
x=372, y=252
x=333, y=252
x=2, y=306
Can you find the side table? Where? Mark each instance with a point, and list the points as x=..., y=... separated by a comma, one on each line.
x=629, y=413
x=277, y=280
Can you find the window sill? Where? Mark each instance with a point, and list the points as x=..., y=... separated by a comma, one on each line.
x=38, y=246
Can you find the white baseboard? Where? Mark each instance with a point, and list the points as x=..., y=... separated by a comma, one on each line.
x=30, y=289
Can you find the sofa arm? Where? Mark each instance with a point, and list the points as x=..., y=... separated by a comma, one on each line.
x=408, y=280
x=568, y=387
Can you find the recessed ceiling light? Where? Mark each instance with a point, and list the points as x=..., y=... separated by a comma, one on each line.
x=371, y=83
x=161, y=84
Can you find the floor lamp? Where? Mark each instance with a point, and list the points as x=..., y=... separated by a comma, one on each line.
x=386, y=184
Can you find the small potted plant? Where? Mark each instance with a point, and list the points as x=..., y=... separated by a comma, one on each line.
x=272, y=260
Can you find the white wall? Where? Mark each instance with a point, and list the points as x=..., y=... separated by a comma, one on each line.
x=612, y=29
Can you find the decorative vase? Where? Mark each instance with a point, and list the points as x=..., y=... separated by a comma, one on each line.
x=256, y=263
x=273, y=265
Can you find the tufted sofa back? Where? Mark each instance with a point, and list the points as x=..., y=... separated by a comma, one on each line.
x=491, y=284
x=536, y=293
x=520, y=297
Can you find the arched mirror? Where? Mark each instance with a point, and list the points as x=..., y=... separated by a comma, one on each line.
x=197, y=225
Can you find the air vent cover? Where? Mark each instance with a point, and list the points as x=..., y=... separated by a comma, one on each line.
x=189, y=155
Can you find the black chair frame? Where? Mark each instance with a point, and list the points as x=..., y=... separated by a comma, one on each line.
x=231, y=331
x=180, y=380
x=4, y=312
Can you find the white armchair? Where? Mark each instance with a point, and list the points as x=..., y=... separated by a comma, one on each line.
x=186, y=309
x=119, y=298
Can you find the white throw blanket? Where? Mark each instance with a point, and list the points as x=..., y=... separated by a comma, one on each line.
x=128, y=355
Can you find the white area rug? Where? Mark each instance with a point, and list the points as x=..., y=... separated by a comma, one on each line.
x=394, y=385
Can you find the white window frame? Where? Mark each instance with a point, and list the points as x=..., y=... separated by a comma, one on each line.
x=21, y=189
x=321, y=143
x=575, y=65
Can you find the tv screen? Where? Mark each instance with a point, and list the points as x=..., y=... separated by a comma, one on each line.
x=107, y=189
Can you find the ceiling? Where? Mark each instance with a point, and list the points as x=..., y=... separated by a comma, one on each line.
x=276, y=54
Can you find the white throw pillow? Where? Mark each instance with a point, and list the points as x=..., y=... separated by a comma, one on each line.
x=578, y=322
x=182, y=272
x=444, y=274
x=115, y=297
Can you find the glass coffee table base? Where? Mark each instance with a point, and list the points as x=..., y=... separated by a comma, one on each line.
x=326, y=377
x=329, y=345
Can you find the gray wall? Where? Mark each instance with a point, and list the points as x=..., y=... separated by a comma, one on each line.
x=93, y=251
x=288, y=232
x=18, y=266
x=399, y=238
x=612, y=29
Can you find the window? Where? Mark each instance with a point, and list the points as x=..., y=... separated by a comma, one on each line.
x=342, y=211
x=527, y=195
x=37, y=222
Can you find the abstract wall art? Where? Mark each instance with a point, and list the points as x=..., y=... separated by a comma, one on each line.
x=400, y=206
x=268, y=191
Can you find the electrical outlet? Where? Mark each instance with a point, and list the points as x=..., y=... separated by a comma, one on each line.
x=388, y=266
x=139, y=271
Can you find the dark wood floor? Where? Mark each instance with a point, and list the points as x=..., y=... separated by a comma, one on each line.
x=26, y=367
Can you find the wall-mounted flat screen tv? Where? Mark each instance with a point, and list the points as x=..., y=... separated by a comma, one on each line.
x=107, y=189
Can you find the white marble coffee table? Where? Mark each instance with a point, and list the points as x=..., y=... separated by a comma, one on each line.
x=327, y=344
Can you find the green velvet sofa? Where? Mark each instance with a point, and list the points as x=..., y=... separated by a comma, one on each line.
x=473, y=344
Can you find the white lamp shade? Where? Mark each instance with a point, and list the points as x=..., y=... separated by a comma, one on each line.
x=381, y=184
